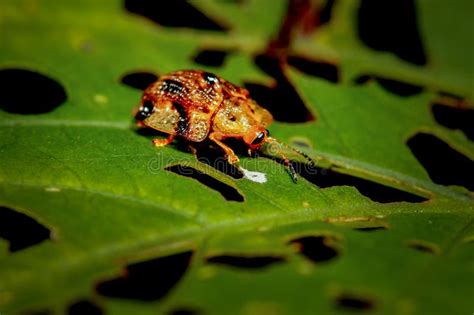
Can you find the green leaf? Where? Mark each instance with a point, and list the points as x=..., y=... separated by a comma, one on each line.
x=378, y=235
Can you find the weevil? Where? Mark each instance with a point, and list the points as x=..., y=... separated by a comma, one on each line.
x=197, y=105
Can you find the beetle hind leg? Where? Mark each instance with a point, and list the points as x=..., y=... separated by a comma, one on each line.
x=163, y=142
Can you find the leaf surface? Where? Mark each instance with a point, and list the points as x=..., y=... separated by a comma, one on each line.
x=327, y=244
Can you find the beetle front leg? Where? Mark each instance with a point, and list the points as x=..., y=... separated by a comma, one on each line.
x=231, y=157
x=163, y=142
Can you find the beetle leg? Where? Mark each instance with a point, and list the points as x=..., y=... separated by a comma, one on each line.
x=192, y=149
x=231, y=157
x=286, y=161
x=163, y=142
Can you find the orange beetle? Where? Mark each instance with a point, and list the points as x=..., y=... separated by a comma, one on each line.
x=198, y=105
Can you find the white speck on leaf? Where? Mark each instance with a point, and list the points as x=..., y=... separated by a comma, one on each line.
x=254, y=176
x=101, y=99
x=52, y=189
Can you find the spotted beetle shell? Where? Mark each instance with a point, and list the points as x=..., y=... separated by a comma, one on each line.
x=190, y=103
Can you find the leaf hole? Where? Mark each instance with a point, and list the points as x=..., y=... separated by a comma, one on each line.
x=398, y=87
x=363, y=79
x=371, y=228
x=211, y=57
x=319, y=69
x=37, y=312
x=84, y=307
x=459, y=99
x=391, y=26
x=139, y=80
x=150, y=133
x=444, y=165
x=184, y=311
x=20, y=230
x=318, y=249
x=325, y=178
x=281, y=99
x=455, y=118
x=26, y=92
x=176, y=13
x=276, y=99
x=214, y=157
x=393, y=86
x=423, y=246
x=149, y=280
x=271, y=66
x=248, y=262
x=228, y=192
x=354, y=303
x=325, y=13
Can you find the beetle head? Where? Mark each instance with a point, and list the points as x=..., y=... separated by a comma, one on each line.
x=256, y=137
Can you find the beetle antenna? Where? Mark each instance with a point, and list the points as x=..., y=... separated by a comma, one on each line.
x=287, y=162
x=306, y=156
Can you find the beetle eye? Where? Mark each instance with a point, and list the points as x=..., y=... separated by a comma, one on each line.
x=144, y=111
x=259, y=138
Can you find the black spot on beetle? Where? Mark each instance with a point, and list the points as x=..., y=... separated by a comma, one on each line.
x=21, y=230
x=210, y=78
x=27, y=92
x=149, y=280
x=145, y=110
x=172, y=86
x=182, y=127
